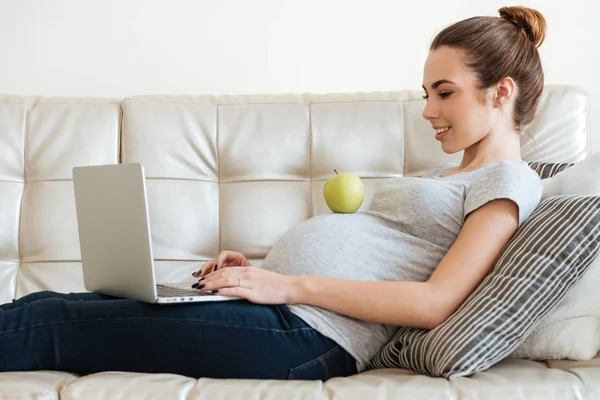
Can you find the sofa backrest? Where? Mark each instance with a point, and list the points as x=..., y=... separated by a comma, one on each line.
x=223, y=172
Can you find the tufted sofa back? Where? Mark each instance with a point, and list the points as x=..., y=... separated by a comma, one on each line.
x=223, y=172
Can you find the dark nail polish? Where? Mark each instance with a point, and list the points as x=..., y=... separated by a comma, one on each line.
x=215, y=291
x=195, y=285
x=193, y=274
x=201, y=279
x=201, y=286
x=216, y=267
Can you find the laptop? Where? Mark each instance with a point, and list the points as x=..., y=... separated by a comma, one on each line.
x=115, y=240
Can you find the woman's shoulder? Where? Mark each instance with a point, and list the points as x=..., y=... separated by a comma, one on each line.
x=509, y=176
x=519, y=169
x=508, y=179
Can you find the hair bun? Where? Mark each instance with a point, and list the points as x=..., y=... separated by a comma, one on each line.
x=529, y=21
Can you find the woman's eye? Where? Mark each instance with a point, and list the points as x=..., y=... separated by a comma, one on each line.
x=426, y=96
x=443, y=95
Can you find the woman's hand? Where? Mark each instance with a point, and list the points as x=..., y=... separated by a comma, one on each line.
x=253, y=284
x=225, y=259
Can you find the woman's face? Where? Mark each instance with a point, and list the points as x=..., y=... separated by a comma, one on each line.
x=453, y=100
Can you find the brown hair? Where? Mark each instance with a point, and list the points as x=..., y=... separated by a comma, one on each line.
x=494, y=48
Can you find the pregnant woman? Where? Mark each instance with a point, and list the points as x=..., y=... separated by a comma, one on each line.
x=334, y=289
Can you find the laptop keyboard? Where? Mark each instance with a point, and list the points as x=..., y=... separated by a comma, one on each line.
x=167, y=291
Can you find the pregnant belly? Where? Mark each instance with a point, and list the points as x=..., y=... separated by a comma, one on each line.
x=350, y=246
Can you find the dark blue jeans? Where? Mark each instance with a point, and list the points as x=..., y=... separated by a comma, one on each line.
x=89, y=332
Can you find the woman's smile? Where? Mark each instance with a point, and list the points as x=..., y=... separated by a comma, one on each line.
x=441, y=133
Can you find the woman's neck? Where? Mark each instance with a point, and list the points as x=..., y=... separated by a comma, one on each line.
x=491, y=149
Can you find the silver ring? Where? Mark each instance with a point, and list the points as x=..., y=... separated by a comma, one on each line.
x=239, y=282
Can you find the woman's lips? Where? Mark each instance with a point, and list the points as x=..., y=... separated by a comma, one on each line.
x=440, y=136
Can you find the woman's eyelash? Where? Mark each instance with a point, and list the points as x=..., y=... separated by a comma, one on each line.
x=443, y=95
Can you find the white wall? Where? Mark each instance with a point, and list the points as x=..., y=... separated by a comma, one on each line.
x=115, y=48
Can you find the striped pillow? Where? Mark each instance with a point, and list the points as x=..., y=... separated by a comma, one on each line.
x=541, y=262
x=548, y=170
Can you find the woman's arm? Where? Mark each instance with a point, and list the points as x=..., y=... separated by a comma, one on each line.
x=421, y=304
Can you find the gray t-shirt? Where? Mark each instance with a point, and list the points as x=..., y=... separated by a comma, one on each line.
x=409, y=226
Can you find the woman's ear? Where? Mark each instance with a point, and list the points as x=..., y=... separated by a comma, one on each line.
x=504, y=92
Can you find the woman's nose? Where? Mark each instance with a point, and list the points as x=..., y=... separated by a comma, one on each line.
x=429, y=112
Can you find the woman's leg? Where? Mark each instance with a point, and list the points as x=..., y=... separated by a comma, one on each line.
x=86, y=296
x=232, y=339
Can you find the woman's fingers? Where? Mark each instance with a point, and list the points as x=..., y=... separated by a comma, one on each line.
x=225, y=259
x=234, y=277
x=206, y=268
x=229, y=258
x=223, y=282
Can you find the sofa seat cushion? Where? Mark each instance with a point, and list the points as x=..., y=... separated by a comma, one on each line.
x=510, y=378
x=33, y=385
x=129, y=385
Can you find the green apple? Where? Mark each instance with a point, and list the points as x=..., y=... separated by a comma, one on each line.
x=344, y=193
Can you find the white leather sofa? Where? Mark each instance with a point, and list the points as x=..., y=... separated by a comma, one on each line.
x=236, y=172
